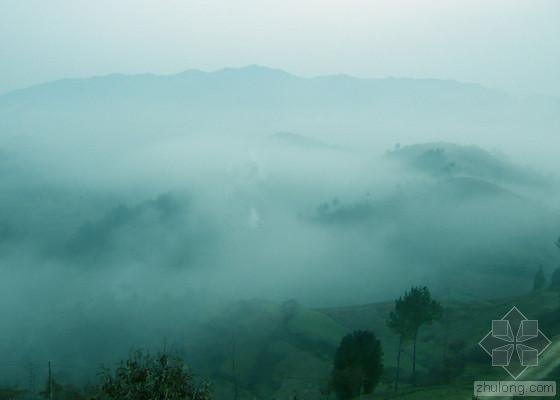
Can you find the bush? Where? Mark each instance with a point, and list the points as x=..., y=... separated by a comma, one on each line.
x=145, y=377
x=357, y=365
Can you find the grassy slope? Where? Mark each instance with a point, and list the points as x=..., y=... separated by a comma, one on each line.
x=467, y=322
x=278, y=350
x=286, y=350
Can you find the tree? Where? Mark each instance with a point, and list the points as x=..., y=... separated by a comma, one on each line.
x=418, y=309
x=358, y=365
x=399, y=323
x=539, y=282
x=145, y=377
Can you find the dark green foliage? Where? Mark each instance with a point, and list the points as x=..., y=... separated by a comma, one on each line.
x=399, y=323
x=357, y=365
x=419, y=308
x=415, y=309
x=539, y=281
x=347, y=383
x=146, y=377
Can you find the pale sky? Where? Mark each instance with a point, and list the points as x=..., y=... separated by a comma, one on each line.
x=507, y=44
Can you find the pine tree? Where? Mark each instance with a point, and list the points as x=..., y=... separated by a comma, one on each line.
x=399, y=324
x=416, y=308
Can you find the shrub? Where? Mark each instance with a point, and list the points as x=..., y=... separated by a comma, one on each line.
x=357, y=365
x=147, y=377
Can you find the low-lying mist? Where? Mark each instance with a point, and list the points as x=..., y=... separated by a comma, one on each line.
x=109, y=243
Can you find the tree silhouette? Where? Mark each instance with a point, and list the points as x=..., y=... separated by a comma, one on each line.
x=399, y=323
x=417, y=308
x=357, y=365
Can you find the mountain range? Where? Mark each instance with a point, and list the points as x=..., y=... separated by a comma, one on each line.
x=256, y=100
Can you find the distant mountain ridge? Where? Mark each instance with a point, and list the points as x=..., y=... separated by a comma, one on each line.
x=261, y=86
x=254, y=72
x=250, y=86
x=259, y=101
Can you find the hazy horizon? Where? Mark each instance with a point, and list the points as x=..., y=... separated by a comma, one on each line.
x=456, y=40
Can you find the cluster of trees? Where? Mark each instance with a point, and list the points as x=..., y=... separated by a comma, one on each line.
x=147, y=377
x=358, y=364
x=141, y=377
x=412, y=311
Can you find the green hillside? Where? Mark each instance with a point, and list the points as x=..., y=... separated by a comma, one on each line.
x=273, y=351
